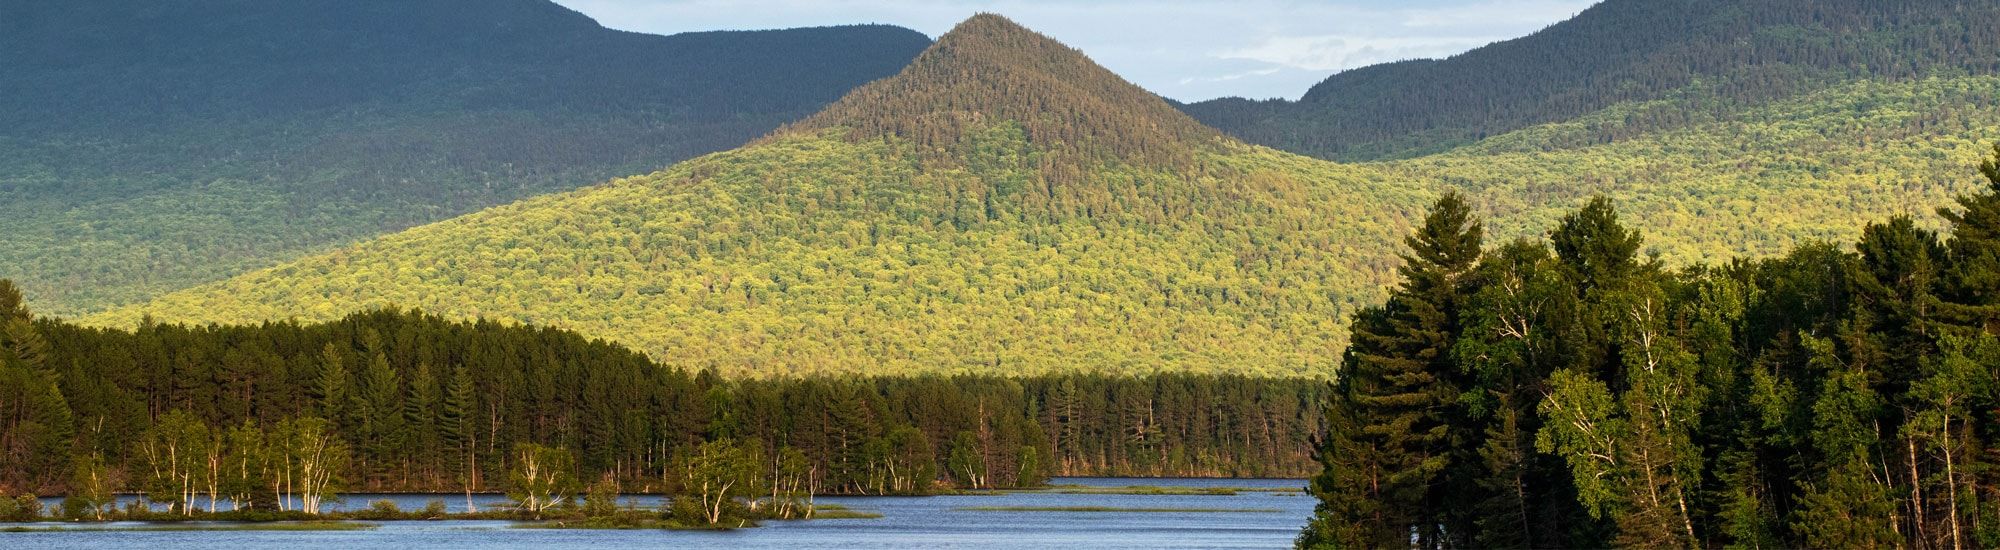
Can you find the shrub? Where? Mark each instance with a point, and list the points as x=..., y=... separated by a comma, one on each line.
x=435, y=509
x=602, y=500
x=26, y=507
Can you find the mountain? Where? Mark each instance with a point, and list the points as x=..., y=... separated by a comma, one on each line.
x=1001, y=205
x=147, y=147
x=1731, y=55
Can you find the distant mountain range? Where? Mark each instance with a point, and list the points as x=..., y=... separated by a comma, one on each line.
x=1004, y=205
x=1732, y=54
x=149, y=146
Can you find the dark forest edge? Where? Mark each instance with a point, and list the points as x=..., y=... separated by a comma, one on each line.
x=278, y=417
x=1568, y=393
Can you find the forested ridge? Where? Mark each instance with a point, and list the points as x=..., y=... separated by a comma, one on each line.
x=1736, y=54
x=1571, y=392
x=1011, y=227
x=1075, y=114
x=423, y=403
x=1018, y=245
x=1753, y=183
x=148, y=147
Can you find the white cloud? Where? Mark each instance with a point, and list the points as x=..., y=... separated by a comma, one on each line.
x=1336, y=53
x=1185, y=49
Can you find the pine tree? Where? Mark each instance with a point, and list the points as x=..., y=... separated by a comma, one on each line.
x=1973, y=274
x=1596, y=250
x=455, y=430
x=331, y=384
x=1405, y=387
x=1896, y=296
x=380, y=414
x=420, y=411
x=1350, y=512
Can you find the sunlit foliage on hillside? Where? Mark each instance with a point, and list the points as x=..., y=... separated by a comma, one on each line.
x=814, y=254
x=1755, y=183
x=1745, y=52
x=148, y=147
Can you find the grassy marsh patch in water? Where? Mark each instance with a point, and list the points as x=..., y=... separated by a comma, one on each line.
x=1153, y=490
x=841, y=512
x=1113, y=509
x=273, y=526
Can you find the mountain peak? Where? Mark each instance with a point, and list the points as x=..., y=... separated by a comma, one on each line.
x=991, y=70
x=988, y=24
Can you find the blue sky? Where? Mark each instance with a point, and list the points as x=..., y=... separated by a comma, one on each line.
x=1188, y=50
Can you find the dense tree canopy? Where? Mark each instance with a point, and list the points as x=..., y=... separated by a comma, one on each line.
x=146, y=148
x=884, y=238
x=395, y=400
x=1821, y=399
x=1733, y=54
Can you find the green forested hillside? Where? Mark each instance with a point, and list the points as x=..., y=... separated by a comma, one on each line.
x=1749, y=184
x=1044, y=215
x=149, y=147
x=1020, y=241
x=1736, y=53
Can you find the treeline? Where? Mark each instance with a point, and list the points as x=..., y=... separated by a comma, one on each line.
x=1569, y=393
x=428, y=404
x=1735, y=53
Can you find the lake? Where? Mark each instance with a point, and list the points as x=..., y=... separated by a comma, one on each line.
x=1257, y=519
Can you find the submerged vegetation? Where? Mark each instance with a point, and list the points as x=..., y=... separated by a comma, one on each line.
x=1569, y=392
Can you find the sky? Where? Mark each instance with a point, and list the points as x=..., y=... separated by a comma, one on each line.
x=1189, y=50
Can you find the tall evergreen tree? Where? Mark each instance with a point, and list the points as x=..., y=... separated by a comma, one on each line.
x=455, y=428
x=420, y=414
x=1404, y=387
x=379, y=412
x=1973, y=274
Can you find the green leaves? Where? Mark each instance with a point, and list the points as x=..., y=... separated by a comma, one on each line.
x=1583, y=428
x=541, y=477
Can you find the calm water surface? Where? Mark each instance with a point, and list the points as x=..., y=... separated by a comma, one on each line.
x=906, y=522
